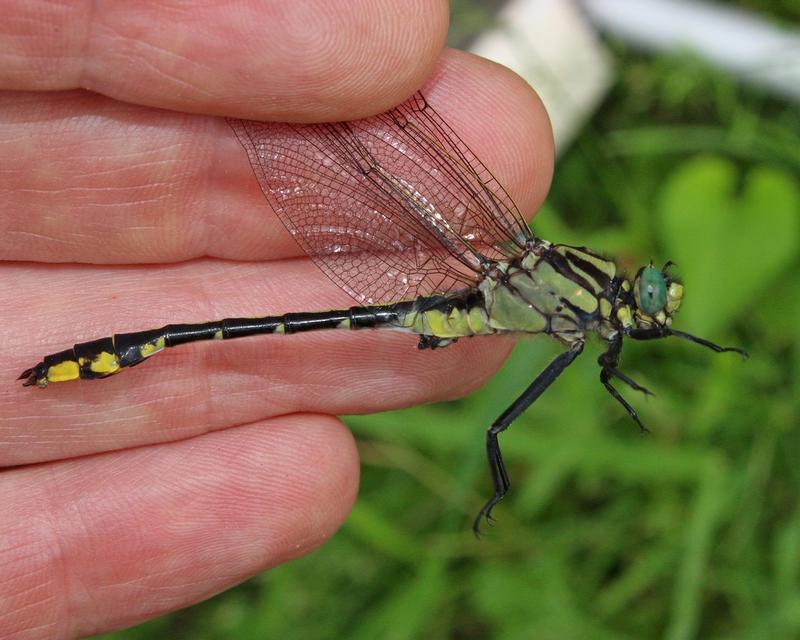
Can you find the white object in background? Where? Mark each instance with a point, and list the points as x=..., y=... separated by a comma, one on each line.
x=551, y=45
x=741, y=42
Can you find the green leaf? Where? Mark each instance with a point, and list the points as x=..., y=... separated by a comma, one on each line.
x=730, y=235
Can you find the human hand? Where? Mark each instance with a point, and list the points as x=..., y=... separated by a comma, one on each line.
x=212, y=461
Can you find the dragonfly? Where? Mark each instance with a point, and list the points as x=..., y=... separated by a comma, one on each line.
x=399, y=213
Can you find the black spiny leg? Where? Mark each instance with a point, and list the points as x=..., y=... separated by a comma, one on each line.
x=657, y=333
x=608, y=362
x=496, y=466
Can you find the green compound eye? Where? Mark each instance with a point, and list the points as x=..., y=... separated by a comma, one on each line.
x=652, y=291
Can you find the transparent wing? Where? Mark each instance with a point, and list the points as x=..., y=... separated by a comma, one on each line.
x=389, y=207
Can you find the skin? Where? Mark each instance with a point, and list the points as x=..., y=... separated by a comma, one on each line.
x=131, y=205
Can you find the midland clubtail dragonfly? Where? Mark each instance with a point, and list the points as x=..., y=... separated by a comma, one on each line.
x=398, y=212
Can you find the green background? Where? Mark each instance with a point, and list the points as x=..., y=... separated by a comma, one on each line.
x=692, y=531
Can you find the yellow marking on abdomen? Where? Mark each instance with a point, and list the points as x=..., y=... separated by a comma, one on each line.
x=63, y=371
x=149, y=348
x=105, y=363
x=478, y=321
x=458, y=323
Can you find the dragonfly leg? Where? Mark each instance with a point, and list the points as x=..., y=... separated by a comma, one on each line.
x=434, y=342
x=657, y=333
x=497, y=467
x=608, y=362
x=629, y=381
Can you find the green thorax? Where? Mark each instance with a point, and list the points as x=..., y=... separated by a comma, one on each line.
x=554, y=289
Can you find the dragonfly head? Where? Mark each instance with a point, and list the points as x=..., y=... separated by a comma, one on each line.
x=657, y=296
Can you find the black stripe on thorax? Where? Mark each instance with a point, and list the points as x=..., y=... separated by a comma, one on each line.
x=563, y=268
x=591, y=270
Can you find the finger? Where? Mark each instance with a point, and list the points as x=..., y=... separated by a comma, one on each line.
x=196, y=388
x=104, y=182
x=105, y=542
x=275, y=60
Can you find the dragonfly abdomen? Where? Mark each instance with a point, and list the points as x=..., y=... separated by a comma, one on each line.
x=107, y=356
x=438, y=316
x=446, y=317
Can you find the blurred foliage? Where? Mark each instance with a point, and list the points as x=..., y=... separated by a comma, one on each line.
x=692, y=531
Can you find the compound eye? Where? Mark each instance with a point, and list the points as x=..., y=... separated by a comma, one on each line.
x=652, y=291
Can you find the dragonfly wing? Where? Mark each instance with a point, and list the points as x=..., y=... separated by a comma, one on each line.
x=474, y=202
x=389, y=207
